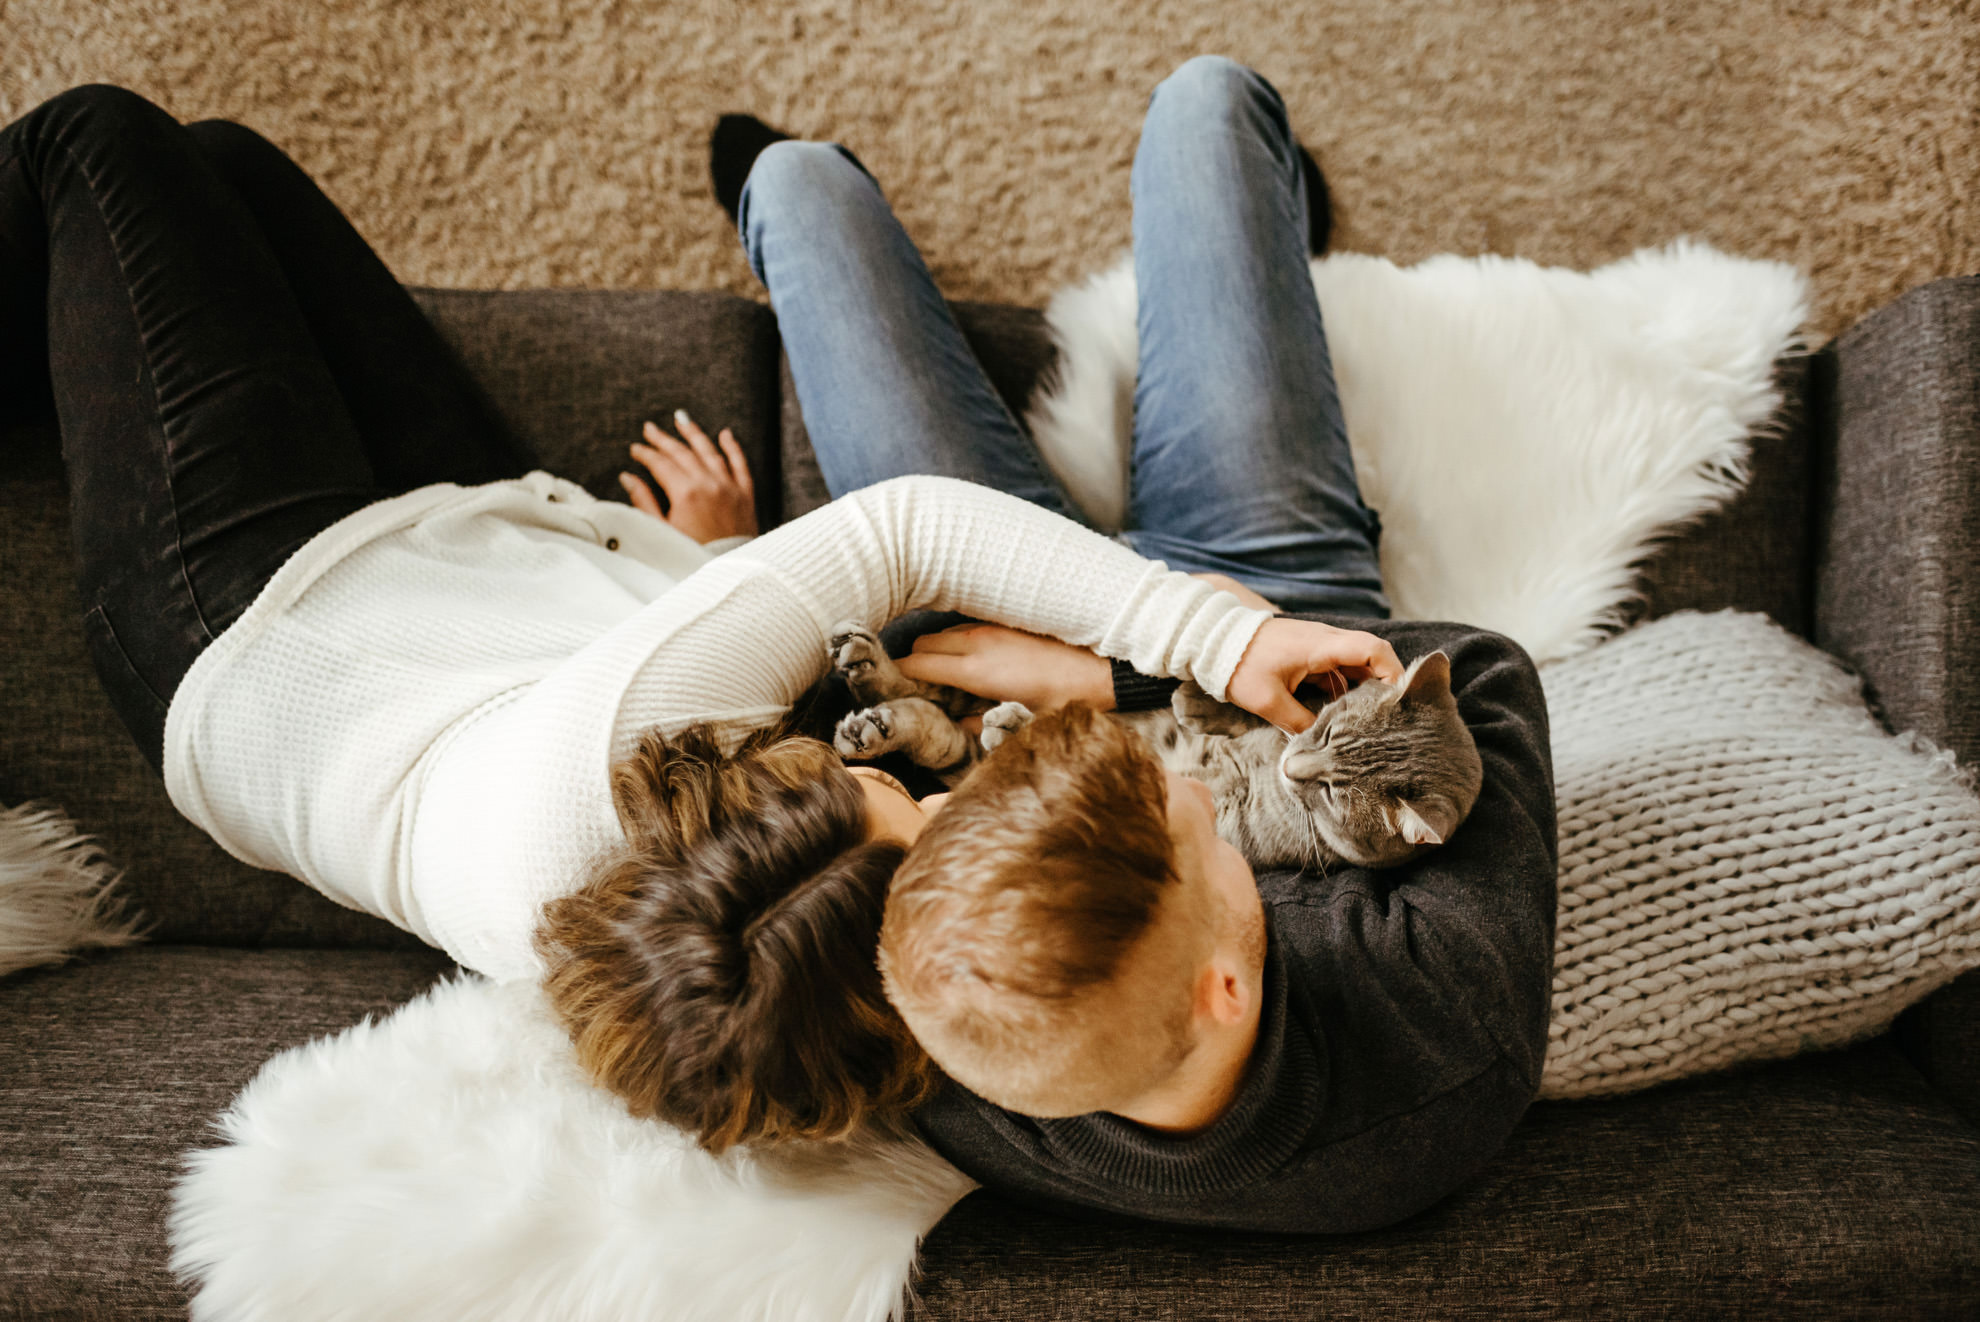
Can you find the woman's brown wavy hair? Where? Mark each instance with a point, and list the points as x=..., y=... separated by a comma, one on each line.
x=719, y=972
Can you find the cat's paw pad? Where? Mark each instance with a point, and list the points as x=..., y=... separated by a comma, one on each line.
x=865, y=733
x=854, y=649
x=1002, y=721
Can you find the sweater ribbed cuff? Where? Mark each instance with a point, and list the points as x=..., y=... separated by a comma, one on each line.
x=1173, y=624
x=1134, y=691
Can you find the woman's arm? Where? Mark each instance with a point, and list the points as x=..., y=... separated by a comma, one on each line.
x=1003, y=664
x=942, y=544
x=748, y=633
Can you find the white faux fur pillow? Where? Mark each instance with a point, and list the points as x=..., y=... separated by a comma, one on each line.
x=1751, y=867
x=1525, y=432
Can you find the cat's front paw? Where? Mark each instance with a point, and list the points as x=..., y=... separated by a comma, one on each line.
x=1002, y=721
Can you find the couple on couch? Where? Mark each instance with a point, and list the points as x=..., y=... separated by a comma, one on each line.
x=368, y=644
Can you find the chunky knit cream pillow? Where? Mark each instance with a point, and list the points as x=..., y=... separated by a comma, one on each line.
x=1751, y=866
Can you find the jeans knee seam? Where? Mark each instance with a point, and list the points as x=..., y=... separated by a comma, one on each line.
x=130, y=663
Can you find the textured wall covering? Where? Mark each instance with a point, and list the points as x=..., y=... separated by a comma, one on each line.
x=531, y=142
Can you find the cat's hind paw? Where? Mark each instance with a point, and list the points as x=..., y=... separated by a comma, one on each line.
x=857, y=654
x=853, y=648
x=866, y=733
x=1002, y=721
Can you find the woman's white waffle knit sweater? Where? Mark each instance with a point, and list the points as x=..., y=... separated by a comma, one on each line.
x=419, y=713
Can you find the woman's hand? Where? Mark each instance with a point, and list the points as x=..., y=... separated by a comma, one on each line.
x=1286, y=653
x=1010, y=665
x=709, y=491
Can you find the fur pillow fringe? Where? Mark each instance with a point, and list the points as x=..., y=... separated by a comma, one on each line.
x=58, y=892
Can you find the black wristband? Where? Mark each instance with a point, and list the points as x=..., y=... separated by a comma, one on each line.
x=1134, y=691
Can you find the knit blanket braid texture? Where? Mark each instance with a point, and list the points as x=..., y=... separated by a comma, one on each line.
x=1750, y=867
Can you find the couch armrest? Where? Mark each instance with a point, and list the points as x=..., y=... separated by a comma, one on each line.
x=1898, y=524
x=1897, y=570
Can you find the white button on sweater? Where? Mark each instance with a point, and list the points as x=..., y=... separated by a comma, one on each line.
x=419, y=713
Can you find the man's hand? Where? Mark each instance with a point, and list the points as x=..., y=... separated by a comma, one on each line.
x=1010, y=665
x=1286, y=653
x=710, y=494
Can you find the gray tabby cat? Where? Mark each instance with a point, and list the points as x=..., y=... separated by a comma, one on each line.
x=1383, y=773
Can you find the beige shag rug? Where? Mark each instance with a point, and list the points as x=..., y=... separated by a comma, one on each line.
x=516, y=143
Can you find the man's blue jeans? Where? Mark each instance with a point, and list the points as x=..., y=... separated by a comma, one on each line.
x=1240, y=462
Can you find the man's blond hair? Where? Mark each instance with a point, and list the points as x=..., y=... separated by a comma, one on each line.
x=1032, y=938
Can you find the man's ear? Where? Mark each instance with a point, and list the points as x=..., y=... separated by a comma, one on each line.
x=1222, y=994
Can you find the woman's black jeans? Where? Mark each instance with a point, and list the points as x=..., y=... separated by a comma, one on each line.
x=233, y=370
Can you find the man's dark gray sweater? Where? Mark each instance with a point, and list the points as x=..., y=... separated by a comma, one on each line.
x=1403, y=1024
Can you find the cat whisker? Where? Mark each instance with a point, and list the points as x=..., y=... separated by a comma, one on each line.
x=1319, y=853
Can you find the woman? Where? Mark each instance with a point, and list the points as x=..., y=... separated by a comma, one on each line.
x=698, y=982
x=367, y=645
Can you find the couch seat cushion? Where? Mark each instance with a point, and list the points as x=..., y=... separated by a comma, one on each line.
x=1838, y=1182
x=1830, y=1185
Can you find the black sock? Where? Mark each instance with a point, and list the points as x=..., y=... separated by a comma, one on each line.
x=1319, y=205
x=732, y=149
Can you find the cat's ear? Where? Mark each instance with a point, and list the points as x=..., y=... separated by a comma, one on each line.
x=1427, y=677
x=1413, y=826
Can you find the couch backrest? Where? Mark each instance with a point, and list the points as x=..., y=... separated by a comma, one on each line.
x=575, y=372
x=1754, y=553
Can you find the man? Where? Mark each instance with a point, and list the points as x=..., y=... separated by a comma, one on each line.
x=1134, y=1024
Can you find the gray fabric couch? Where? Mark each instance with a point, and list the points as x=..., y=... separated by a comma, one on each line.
x=1844, y=1184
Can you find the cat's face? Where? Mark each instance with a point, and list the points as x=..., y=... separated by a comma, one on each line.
x=1387, y=771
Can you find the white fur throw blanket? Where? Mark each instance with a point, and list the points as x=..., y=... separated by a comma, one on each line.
x=1524, y=433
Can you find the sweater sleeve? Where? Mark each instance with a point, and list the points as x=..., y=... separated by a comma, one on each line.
x=753, y=625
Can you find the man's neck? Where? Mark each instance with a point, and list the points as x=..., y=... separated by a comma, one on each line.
x=1203, y=1087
